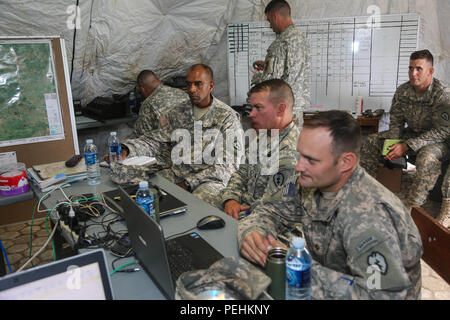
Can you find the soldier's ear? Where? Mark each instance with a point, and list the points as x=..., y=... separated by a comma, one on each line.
x=347, y=161
x=281, y=108
x=211, y=85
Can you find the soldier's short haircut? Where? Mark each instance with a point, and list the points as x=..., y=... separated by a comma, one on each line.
x=422, y=54
x=205, y=67
x=344, y=130
x=143, y=76
x=280, y=6
x=280, y=91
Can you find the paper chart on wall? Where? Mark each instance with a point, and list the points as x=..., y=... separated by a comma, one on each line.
x=349, y=57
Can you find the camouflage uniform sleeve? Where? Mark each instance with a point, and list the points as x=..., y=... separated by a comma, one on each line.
x=374, y=260
x=441, y=131
x=236, y=186
x=396, y=120
x=278, y=215
x=220, y=171
x=149, y=144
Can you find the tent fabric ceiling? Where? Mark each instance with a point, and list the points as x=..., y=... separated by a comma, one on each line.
x=117, y=39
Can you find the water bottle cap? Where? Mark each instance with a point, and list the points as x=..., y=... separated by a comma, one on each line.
x=113, y=133
x=298, y=243
x=143, y=184
x=88, y=141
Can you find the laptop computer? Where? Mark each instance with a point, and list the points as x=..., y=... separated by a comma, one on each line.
x=81, y=277
x=168, y=204
x=164, y=260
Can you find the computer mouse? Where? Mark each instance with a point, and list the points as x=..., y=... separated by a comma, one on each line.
x=210, y=222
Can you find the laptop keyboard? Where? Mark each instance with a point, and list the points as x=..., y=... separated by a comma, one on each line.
x=180, y=259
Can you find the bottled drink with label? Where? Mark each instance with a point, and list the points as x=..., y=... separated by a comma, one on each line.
x=91, y=160
x=298, y=271
x=115, y=150
x=146, y=199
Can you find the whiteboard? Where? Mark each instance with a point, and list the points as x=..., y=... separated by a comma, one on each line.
x=350, y=56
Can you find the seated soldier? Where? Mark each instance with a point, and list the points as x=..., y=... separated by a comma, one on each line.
x=272, y=108
x=202, y=124
x=363, y=242
x=159, y=99
x=413, y=105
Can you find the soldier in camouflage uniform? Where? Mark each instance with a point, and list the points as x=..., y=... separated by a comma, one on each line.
x=159, y=99
x=363, y=241
x=288, y=57
x=444, y=214
x=203, y=115
x=413, y=104
x=272, y=106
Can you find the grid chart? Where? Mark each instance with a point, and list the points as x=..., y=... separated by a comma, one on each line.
x=349, y=57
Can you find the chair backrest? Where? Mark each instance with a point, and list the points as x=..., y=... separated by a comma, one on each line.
x=436, y=242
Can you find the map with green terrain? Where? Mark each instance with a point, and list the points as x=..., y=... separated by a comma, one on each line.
x=27, y=93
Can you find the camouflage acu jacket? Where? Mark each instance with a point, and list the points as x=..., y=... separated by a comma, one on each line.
x=288, y=58
x=210, y=137
x=364, y=244
x=159, y=103
x=249, y=183
x=417, y=113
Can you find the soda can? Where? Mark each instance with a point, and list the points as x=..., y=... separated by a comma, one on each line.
x=276, y=270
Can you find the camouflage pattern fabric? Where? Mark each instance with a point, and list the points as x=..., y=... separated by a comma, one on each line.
x=446, y=184
x=214, y=125
x=425, y=135
x=159, y=103
x=233, y=276
x=288, y=58
x=124, y=174
x=364, y=243
x=248, y=184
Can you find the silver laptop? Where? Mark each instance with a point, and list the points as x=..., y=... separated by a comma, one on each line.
x=81, y=277
x=164, y=260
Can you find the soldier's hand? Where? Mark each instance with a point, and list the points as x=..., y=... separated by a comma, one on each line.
x=255, y=248
x=183, y=185
x=232, y=208
x=123, y=156
x=397, y=150
x=259, y=65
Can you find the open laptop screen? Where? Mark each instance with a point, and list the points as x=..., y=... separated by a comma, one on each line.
x=82, y=277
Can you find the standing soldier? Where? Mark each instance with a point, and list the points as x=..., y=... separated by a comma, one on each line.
x=288, y=57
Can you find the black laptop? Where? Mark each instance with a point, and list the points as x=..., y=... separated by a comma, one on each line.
x=164, y=260
x=81, y=277
x=168, y=204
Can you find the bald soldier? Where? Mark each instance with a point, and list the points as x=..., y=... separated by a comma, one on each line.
x=159, y=100
x=363, y=242
x=413, y=106
x=191, y=132
x=288, y=57
x=272, y=109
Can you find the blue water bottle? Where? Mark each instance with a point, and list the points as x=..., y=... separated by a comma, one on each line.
x=92, y=165
x=298, y=271
x=146, y=199
x=115, y=150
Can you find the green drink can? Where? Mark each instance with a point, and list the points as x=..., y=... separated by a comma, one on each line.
x=276, y=270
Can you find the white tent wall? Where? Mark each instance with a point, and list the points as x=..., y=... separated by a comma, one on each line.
x=116, y=39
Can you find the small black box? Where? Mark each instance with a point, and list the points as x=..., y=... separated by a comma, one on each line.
x=102, y=108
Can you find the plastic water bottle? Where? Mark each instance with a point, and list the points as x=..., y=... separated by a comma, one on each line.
x=298, y=271
x=115, y=150
x=146, y=199
x=132, y=102
x=92, y=166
